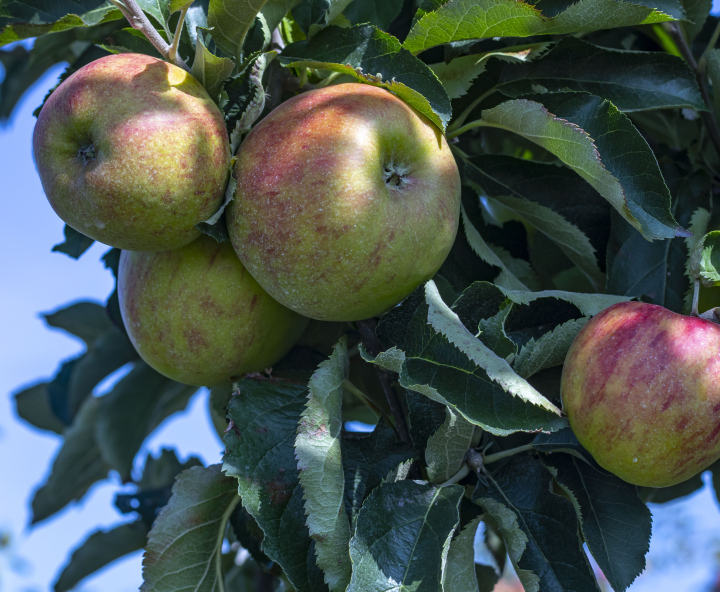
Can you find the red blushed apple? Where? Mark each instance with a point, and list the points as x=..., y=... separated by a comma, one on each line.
x=132, y=152
x=347, y=199
x=197, y=316
x=641, y=388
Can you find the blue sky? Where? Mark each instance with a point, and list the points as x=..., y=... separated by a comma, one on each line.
x=685, y=547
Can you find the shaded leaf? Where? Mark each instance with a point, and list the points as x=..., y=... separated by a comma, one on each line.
x=209, y=69
x=379, y=13
x=33, y=405
x=87, y=320
x=75, y=243
x=447, y=447
x=459, y=572
x=549, y=350
x=230, y=21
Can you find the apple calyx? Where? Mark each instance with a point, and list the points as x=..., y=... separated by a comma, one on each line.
x=87, y=153
x=395, y=176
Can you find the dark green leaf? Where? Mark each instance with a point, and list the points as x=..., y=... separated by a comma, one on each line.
x=260, y=452
x=375, y=57
x=379, y=13
x=615, y=524
x=75, y=243
x=20, y=19
x=209, y=69
x=477, y=19
x=230, y=21
x=135, y=406
x=402, y=533
x=367, y=460
x=549, y=350
x=76, y=467
x=87, y=320
x=101, y=548
x=631, y=80
x=543, y=539
x=181, y=558
x=459, y=574
x=33, y=405
x=561, y=441
x=592, y=137
x=696, y=12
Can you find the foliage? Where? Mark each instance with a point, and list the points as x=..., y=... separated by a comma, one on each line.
x=587, y=140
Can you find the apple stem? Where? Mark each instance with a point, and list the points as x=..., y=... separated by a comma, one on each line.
x=696, y=299
x=172, y=51
x=491, y=458
x=137, y=19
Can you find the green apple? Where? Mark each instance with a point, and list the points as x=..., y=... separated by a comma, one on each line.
x=197, y=316
x=132, y=152
x=347, y=199
x=641, y=389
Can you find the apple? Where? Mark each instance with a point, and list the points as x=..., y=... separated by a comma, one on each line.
x=347, y=199
x=197, y=316
x=641, y=388
x=132, y=152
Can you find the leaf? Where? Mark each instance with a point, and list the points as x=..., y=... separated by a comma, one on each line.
x=209, y=69
x=551, y=199
x=260, y=452
x=317, y=449
x=459, y=572
x=588, y=304
x=446, y=322
x=314, y=15
x=129, y=413
x=101, y=548
x=447, y=447
x=548, y=351
x=618, y=163
x=630, y=80
x=656, y=270
x=375, y=57
x=462, y=20
x=712, y=59
x=75, y=243
x=75, y=468
x=552, y=551
x=705, y=259
x=402, y=535
x=615, y=523
x=182, y=558
x=697, y=12
x=367, y=460
x=22, y=19
x=176, y=5
x=482, y=249
x=429, y=364
x=87, y=320
x=492, y=333
x=230, y=21
x=33, y=405
x=379, y=13
x=561, y=441
x=275, y=10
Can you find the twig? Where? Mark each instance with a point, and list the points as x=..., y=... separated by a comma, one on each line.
x=367, y=332
x=707, y=116
x=137, y=19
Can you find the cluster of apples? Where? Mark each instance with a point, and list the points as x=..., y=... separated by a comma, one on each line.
x=347, y=199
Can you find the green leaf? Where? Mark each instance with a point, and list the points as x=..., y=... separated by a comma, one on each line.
x=657, y=270
x=158, y=9
x=551, y=199
x=447, y=323
x=379, y=13
x=317, y=449
x=615, y=523
x=588, y=304
x=463, y=20
x=75, y=243
x=429, y=364
x=209, y=69
x=129, y=413
x=447, y=447
x=561, y=441
x=492, y=333
x=705, y=259
x=712, y=59
x=181, y=558
x=696, y=12
x=33, y=405
x=367, y=460
x=176, y=5
x=402, y=535
x=553, y=557
x=101, y=548
x=375, y=57
x=506, y=278
x=230, y=21
x=597, y=141
x=314, y=15
x=549, y=350
x=87, y=320
x=78, y=465
x=275, y=10
x=21, y=19
x=631, y=80
x=459, y=571
x=260, y=452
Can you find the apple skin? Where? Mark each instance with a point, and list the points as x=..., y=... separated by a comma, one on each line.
x=197, y=316
x=641, y=388
x=132, y=152
x=347, y=200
